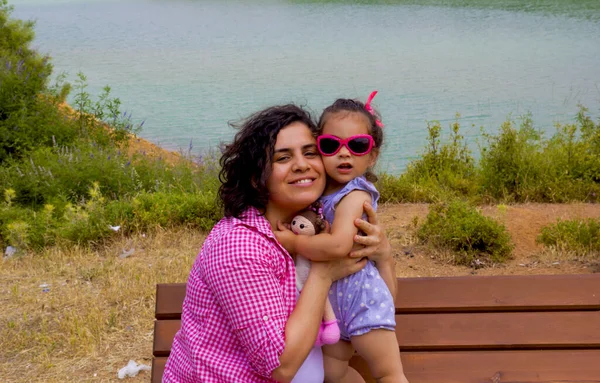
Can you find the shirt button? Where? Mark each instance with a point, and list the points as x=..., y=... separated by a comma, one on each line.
x=265, y=318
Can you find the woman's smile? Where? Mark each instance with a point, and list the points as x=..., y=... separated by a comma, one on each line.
x=298, y=177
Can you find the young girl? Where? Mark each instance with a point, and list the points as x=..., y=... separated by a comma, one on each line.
x=350, y=137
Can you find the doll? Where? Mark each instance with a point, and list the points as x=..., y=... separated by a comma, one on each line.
x=309, y=222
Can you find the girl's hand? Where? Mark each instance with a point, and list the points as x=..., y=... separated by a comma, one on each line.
x=376, y=245
x=285, y=237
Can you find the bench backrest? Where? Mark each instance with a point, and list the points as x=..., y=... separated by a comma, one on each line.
x=471, y=329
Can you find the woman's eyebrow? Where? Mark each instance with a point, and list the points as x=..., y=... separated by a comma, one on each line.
x=307, y=146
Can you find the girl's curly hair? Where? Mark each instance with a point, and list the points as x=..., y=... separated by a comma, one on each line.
x=246, y=162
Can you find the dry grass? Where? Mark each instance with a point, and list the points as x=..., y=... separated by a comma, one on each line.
x=98, y=312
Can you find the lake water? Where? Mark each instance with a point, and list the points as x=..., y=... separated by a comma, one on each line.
x=189, y=67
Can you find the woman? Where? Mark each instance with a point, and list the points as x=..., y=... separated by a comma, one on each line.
x=242, y=318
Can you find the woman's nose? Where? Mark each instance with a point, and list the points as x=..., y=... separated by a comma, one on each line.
x=300, y=164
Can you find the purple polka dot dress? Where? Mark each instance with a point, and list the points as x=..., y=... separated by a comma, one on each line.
x=361, y=301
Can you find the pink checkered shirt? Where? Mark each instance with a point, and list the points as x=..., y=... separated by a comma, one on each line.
x=240, y=293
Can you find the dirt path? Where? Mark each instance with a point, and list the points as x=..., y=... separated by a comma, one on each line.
x=523, y=222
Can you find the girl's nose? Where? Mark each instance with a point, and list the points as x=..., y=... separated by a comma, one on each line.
x=344, y=152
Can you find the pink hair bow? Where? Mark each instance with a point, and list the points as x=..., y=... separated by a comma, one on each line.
x=369, y=108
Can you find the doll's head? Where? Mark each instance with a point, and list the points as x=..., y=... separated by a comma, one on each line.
x=308, y=222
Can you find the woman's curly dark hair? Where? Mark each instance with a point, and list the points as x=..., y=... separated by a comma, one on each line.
x=246, y=162
x=347, y=105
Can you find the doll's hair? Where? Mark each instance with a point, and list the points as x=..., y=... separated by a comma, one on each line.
x=317, y=221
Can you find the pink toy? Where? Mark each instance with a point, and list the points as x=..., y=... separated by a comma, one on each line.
x=309, y=222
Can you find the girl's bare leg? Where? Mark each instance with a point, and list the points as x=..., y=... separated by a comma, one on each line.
x=380, y=349
x=335, y=360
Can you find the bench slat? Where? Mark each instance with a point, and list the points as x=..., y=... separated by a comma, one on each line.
x=482, y=366
x=460, y=294
x=169, y=299
x=518, y=330
x=508, y=366
x=158, y=368
x=499, y=293
x=491, y=331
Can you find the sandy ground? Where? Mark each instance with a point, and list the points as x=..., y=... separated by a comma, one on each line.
x=523, y=222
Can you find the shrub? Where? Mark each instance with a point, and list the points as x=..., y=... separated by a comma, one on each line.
x=512, y=167
x=578, y=236
x=473, y=238
x=518, y=164
x=445, y=170
x=199, y=210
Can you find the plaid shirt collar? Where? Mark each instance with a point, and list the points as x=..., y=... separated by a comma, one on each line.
x=253, y=218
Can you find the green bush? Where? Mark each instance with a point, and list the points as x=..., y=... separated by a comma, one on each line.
x=519, y=165
x=160, y=209
x=473, y=238
x=579, y=236
x=29, y=116
x=445, y=170
x=512, y=166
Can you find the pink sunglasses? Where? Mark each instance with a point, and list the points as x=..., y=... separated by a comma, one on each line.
x=359, y=145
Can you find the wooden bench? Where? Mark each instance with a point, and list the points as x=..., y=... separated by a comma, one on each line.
x=470, y=329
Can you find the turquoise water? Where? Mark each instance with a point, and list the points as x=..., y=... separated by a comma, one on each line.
x=189, y=67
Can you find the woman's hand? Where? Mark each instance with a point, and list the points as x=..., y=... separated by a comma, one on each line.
x=376, y=245
x=285, y=237
x=337, y=268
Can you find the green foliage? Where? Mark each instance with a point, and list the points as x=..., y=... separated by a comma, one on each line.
x=89, y=220
x=445, y=170
x=512, y=165
x=579, y=236
x=474, y=239
x=102, y=121
x=198, y=210
x=28, y=113
x=67, y=175
x=520, y=165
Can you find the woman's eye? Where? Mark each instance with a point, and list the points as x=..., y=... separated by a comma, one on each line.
x=310, y=154
x=282, y=158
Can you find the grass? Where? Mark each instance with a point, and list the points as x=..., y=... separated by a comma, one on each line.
x=98, y=312
x=580, y=238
